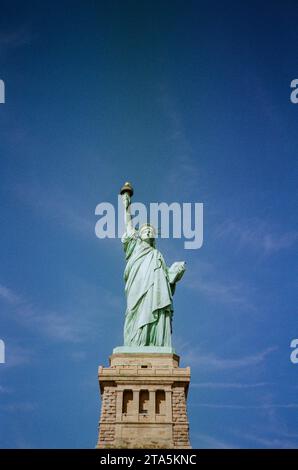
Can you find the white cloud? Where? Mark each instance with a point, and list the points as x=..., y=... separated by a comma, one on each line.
x=265, y=406
x=8, y=295
x=205, y=441
x=18, y=407
x=61, y=327
x=204, y=279
x=274, y=242
x=17, y=355
x=195, y=358
x=15, y=38
x=227, y=292
x=272, y=442
x=257, y=234
x=58, y=207
x=183, y=171
x=229, y=385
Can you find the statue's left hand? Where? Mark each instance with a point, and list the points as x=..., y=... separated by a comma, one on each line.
x=176, y=271
x=181, y=266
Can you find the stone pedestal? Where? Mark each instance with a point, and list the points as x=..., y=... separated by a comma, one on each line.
x=144, y=402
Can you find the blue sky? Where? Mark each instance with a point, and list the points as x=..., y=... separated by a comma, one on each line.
x=189, y=100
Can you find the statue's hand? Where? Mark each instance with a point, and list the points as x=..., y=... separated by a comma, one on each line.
x=176, y=271
x=181, y=266
x=126, y=200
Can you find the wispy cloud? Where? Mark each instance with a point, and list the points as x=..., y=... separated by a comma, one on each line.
x=272, y=442
x=229, y=385
x=15, y=38
x=8, y=295
x=228, y=292
x=195, y=358
x=78, y=356
x=184, y=170
x=275, y=242
x=265, y=406
x=17, y=355
x=58, y=207
x=206, y=441
x=203, y=278
x=18, y=407
x=61, y=327
x=257, y=234
x=279, y=441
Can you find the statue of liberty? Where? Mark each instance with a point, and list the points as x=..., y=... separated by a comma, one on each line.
x=149, y=284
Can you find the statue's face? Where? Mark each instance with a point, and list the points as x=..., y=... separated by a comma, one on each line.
x=147, y=233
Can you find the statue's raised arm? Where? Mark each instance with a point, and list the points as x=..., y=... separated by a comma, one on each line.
x=126, y=194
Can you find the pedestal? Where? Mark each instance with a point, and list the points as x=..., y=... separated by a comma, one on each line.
x=144, y=401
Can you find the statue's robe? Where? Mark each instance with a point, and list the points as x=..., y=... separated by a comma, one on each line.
x=148, y=318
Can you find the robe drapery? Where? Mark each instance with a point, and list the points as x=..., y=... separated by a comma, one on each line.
x=148, y=317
